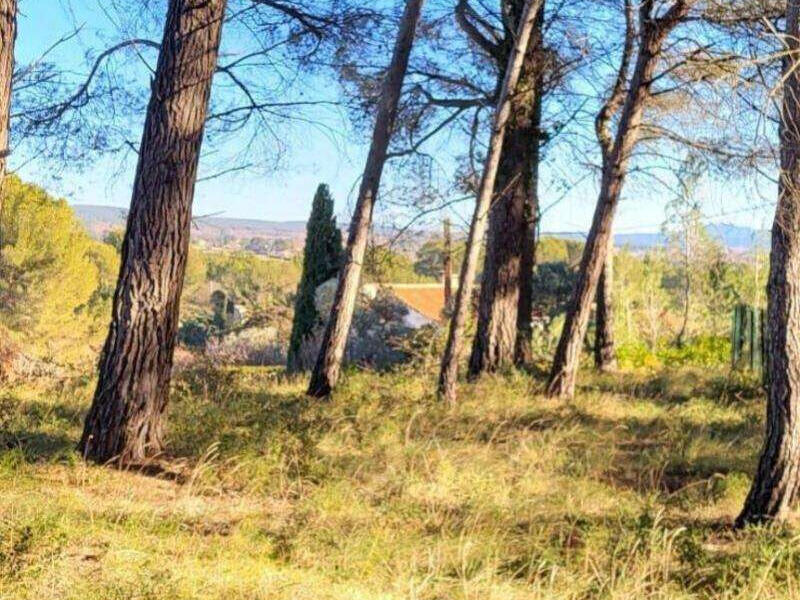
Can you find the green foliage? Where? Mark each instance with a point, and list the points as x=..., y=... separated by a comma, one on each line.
x=552, y=286
x=553, y=249
x=384, y=265
x=640, y=298
x=700, y=351
x=253, y=280
x=115, y=238
x=429, y=261
x=322, y=257
x=56, y=283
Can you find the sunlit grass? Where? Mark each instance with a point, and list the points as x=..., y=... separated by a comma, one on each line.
x=383, y=493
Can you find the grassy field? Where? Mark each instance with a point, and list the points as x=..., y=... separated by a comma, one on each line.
x=382, y=493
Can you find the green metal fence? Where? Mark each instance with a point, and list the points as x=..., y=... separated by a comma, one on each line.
x=748, y=339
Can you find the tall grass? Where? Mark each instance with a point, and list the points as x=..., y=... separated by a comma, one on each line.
x=383, y=493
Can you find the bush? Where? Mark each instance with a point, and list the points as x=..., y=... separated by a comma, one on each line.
x=702, y=351
x=378, y=333
x=194, y=333
x=249, y=347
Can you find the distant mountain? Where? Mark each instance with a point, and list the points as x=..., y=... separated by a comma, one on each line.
x=285, y=238
x=739, y=238
x=733, y=237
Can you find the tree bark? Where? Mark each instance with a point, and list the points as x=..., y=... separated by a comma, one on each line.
x=776, y=481
x=523, y=351
x=508, y=247
x=8, y=36
x=605, y=359
x=447, y=267
x=449, y=369
x=329, y=362
x=126, y=419
x=652, y=35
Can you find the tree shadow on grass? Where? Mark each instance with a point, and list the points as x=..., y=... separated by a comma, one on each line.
x=675, y=386
x=660, y=453
x=36, y=446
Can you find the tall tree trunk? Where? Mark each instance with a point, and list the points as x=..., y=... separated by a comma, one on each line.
x=776, y=482
x=126, y=419
x=449, y=369
x=605, y=358
x=447, y=267
x=329, y=362
x=8, y=36
x=522, y=350
x=653, y=33
x=508, y=241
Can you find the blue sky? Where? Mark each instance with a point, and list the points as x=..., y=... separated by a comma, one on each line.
x=332, y=155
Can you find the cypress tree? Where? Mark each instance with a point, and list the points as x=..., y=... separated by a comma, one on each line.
x=321, y=260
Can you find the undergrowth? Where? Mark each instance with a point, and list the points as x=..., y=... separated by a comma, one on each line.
x=383, y=493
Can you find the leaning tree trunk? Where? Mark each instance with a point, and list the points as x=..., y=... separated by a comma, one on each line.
x=776, y=482
x=507, y=242
x=565, y=362
x=449, y=369
x=8, y=36
x=125, y=422
x=329, y=361
x=605, y=358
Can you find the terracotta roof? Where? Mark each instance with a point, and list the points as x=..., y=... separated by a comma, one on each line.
x=426, y=299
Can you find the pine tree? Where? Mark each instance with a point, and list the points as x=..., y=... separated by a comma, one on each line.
x=125, y=423
x=321, y=260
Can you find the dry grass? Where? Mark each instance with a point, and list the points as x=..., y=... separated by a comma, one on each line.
x=382, y=493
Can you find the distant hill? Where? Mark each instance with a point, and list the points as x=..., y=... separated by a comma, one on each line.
x=733, y=237
x=275, y=238
x=285, y=238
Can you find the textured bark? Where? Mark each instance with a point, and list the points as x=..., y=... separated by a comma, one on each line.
x=449, y=369
x=126, y=419
x=8, y=36
x=508, y=245
x=776, y=482
x=605, y=358
x=652, y=36
x=447, y=267
x=329, y=362
x=523, y=351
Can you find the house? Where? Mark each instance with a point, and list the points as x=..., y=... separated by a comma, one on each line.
x=424, y=301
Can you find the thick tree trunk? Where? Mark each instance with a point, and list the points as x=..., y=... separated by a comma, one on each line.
x=125, y=422
x=654, y=31
x=605, y=358
x=776, y=482
x=522, y=351
x=508, y=240
x=447, y=268
x=449, y=369
x=329, y=362
x=8, y=36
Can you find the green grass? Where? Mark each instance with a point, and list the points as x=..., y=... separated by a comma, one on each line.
x=382, y=493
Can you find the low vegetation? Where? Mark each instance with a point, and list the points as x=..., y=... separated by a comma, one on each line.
x=382, y=492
